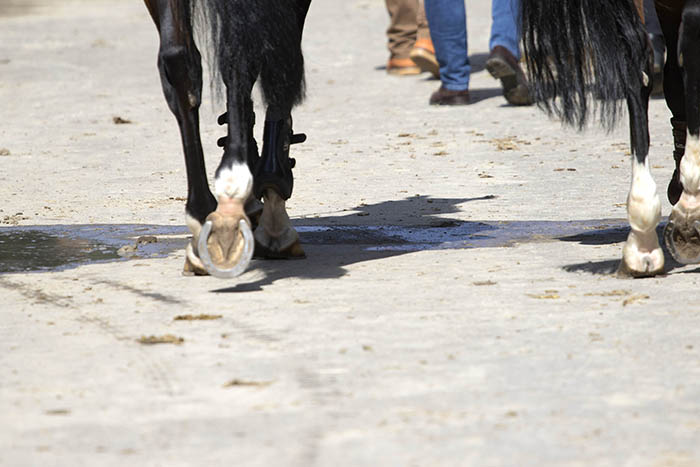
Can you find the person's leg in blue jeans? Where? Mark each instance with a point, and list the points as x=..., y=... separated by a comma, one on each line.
x=505, y=51
x=505, y=26
x=448, y=29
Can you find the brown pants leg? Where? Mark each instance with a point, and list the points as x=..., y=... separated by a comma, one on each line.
x=423, y=31
x=403, y=26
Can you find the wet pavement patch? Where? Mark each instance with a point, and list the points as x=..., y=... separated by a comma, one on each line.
x=34, y=250
x=452, y=234
x=56, y=247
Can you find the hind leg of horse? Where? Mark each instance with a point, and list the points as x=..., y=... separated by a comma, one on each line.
x=275, y=236
x=179, y=63
x=642, y=255
x=670, y=21
x=682, y=233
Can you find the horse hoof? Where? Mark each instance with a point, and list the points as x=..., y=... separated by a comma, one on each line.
x=225, y=245
x=192, y=269
x=682, y=238
x=647, y=268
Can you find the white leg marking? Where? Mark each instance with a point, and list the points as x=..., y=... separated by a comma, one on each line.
x=234, y=182
x=641, y=252
x=689, y=202
x=683, y=241
x=195, y=227
x=690, y=166
x=193, y=224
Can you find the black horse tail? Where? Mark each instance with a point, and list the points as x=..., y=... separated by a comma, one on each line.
x=247, y=39
x=584, y=55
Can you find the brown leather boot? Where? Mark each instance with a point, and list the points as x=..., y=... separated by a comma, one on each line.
x=504, y=66
x=675, y=187
x=444, y=96
x=423, y=54
x=402, y=67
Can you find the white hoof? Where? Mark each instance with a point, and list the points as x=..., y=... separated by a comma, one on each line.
x=642, y=256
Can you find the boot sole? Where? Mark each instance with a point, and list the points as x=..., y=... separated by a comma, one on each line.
x=426, y=61
x=514, y=92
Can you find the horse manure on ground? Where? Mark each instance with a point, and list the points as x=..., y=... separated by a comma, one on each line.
x=196, y=317
x=164, y=339
x=120, y=121
x=243, y=383
x=479, y=283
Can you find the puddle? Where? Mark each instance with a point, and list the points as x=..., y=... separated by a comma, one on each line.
x=464, y=235
x=50, y=248
x=36, y=250
x=57, y=247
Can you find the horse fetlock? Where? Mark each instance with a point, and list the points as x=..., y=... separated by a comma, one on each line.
x=690, y=166
x=643, y=212
x=234, y=182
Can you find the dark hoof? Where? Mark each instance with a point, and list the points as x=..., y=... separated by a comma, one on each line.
x=682, y=238
x=675, y=188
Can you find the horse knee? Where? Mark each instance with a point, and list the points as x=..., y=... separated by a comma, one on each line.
x=181, y=71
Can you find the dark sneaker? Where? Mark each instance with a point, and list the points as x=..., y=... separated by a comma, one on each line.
x=504, y=66
x=444, y=96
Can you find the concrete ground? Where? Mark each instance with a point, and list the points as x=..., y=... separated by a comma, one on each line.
x=458, y=305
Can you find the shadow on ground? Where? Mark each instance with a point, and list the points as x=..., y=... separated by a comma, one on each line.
x=332, y=240
x=612, y=235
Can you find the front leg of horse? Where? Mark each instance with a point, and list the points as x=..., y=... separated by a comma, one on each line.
x=682, y=234
x=642, y=255
x=223, y=246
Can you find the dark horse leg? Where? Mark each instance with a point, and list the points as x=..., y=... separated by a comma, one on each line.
x=249, y=38
x=682, y=234
x=260, y=40
x=598, y=49
x=275, y=237
x=179, y=63
x=669, y=13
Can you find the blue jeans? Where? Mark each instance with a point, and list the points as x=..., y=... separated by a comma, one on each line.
x=447, y=20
